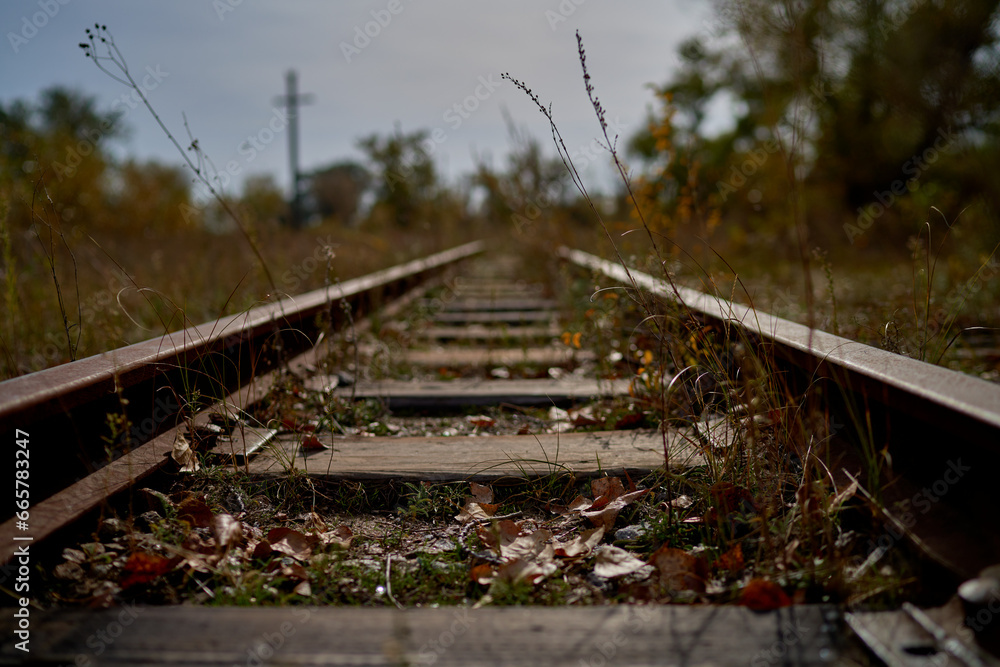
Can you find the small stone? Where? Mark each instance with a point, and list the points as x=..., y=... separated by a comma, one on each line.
x=112, y=527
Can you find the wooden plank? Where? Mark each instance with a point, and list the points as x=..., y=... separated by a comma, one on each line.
x=898, y=639
x=504, y=636
x=495, y=317
x=482, y=356
x=498, y=303
x=484, y=457
x=479, y=332
x=402, y=394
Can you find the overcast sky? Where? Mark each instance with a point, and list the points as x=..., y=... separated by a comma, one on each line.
x=223, y=63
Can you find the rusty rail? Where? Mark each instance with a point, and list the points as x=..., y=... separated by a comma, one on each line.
x=926, y=423
x=65, y=409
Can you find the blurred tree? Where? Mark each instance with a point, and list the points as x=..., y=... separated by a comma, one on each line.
x=263, y=201
x=406, y=180
x=149, y=196
x=529, y=186
x=59, y=143
x=857, y=97
x=337, y=190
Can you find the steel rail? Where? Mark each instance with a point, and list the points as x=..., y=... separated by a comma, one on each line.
x=65, y=409
x=927, y=427
x=924, y=391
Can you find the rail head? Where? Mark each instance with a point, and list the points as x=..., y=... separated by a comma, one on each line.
x=31, y=397
x=915, y=387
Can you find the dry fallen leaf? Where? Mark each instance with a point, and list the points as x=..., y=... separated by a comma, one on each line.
x=194, y=511
x=582, y=544
x=183, y=454
x=732, y=560
x=481, y=421
x=613, y=561
x=497, y=537
x=481, y=493
x=227, y=530
x=143, y=567
x=679, y=570
x=606, y=515
x=482, y=574
x=531, y=570
x=611, y=487
x=763, y=595
x=473, y=511
x=291, y=542
x=528, y=546
x=312, y=443
x=340, y=536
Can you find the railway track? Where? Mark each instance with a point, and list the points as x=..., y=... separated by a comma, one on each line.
x=508, y=341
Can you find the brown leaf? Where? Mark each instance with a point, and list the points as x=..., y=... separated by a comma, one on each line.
x=732, y=560
x=194, y=511
x=611, y=487
x=340, y=536
x=582, y=544
x=473, y=511
x=524, y=569
x=482, y=574
x=606, y=516
x=143, y=567
x=312, y=443
x=481, y=493
x=528, y=546
x=679, y=570
x=481, y=421
x=261, y=550
x=763, y=595
x=500, y=536
x=227, y=530
x=291, y=542
x=612, y=561
x=183, y=454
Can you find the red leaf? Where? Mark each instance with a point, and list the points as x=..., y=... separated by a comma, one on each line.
x=763, y=595
x=732, y=560
x=142, y=567
x=679, y=570
x=312, y=442
x=193, y=510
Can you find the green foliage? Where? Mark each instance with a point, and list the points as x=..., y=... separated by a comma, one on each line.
x=835, y=104
x=405, y=175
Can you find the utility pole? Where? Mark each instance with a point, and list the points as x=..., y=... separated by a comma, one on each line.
x=292, y=99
